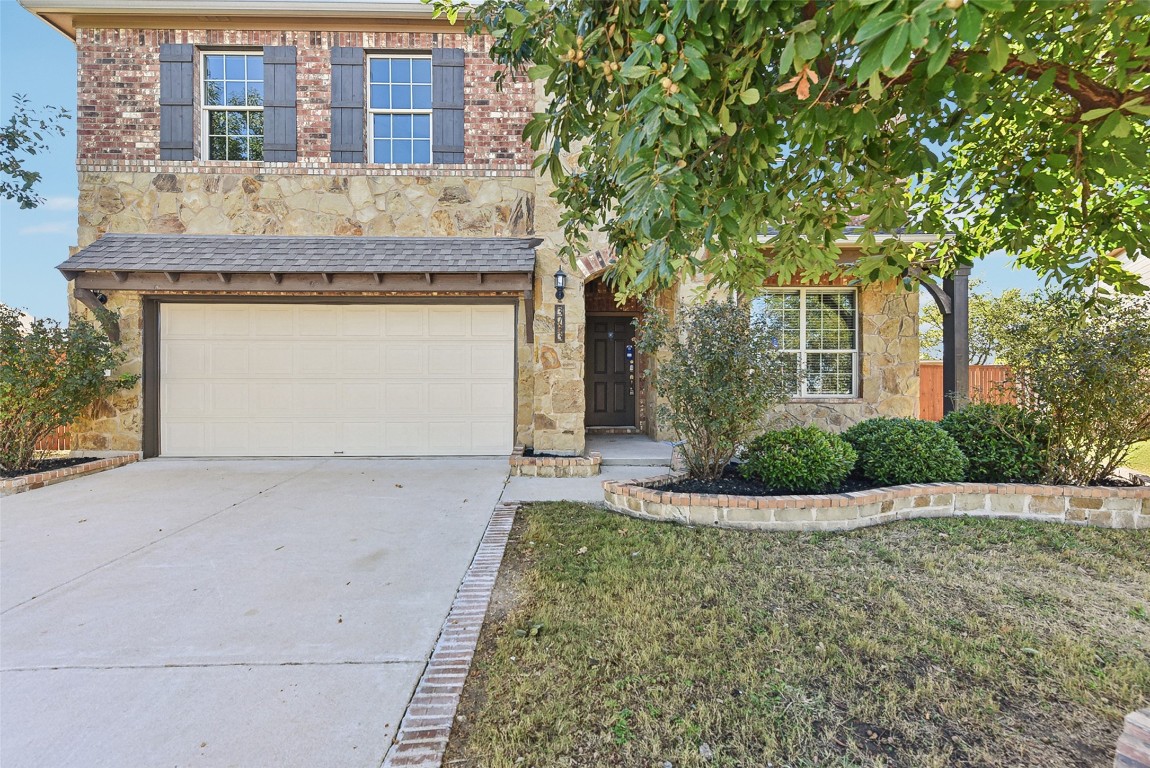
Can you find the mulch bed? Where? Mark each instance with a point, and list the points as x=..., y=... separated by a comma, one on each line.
x=46, y=465
x=733, y=484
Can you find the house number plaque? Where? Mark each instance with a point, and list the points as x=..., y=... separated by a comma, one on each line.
x=560, y=324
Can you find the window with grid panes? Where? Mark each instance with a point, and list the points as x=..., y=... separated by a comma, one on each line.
x=233, y=103
x=818, y=329
x=399, y=109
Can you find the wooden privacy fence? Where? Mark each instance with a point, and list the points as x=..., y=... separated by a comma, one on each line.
x=986, y=385
x=59, y=440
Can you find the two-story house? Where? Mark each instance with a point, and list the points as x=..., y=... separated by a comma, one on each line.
x=320, y=232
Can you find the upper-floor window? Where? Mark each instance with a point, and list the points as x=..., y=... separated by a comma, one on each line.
x=233, y=98
x=818, y=329
x=399, y=109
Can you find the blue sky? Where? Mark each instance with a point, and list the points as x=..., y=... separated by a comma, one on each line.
x=39, y=62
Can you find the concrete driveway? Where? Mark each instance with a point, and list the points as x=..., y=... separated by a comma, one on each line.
x=229, y=613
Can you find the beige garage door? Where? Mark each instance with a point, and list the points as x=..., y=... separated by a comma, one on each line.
x=323, y=380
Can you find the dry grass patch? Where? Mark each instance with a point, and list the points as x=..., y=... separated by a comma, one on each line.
x=616, y=642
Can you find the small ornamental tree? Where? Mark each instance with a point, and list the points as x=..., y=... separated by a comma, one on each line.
x=720, y=371
x=1082, y=367
x=48, y=375
x=23, y=136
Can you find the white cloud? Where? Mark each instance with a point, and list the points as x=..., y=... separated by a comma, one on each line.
x=60, y=203
x=47, y=228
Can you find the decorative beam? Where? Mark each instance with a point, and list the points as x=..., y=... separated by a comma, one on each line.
x=224, y=277
x=121, y=277
x=277, y=278
x=106, y=317
x=328, y=277
x=429, y=277
x=379, y=278
x=173, y=277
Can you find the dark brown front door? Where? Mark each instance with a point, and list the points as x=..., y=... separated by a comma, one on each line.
x=610, y=372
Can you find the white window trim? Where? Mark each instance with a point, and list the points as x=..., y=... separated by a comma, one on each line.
x=206, y=109
x=802, y=351
x=371, y=112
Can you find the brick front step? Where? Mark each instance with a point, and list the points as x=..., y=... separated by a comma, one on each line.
x=554, y=466
x=24, y=483
x=1099, y=507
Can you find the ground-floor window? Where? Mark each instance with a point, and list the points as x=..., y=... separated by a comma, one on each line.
x=818, y=329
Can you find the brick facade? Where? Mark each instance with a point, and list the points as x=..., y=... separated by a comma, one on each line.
x=118, y=112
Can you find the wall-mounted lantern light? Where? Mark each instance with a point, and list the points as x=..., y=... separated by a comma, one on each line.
x=560, y=284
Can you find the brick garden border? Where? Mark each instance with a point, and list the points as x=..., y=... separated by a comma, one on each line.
x=1134, y=743
x=554, y=466
x=1100, y=507
x=14, y=485
x=425, y=728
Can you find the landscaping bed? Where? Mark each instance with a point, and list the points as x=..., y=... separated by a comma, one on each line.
x=47, y=465
x=613, y=641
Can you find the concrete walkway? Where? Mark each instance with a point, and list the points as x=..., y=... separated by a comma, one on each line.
x=218, y=613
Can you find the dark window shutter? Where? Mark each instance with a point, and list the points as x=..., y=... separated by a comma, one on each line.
x=177, y=104
x=279, y=104
x=347, y=105
x=447, y=105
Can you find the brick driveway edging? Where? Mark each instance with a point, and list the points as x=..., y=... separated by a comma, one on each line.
x=1102, y=507
x=14, y=485
x=1134, y=743
x=422, y=737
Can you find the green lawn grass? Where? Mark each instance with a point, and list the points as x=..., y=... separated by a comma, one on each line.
x=617, y=642
x=1139, y=458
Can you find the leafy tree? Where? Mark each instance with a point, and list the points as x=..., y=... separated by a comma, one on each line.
x=48, y=375
x=719, y=371
x=25, y=135
x=990, y=318
x=708, y=127
x=1082, y=368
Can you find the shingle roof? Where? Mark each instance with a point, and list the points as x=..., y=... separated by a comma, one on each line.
x=287, y=254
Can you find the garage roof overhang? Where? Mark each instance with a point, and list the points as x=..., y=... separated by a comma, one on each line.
x=282, y=264
x=262, y=262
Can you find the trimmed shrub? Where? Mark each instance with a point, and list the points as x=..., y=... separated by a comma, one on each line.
x=799, y=460
x=898, y=451
x=1003, y=443
x=720, y=370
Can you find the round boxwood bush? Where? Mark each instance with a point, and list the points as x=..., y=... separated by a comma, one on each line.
x=898, y=451
x=799, y=460
x=1003, y=443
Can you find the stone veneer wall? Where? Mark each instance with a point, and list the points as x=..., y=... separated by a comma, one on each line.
x=1100, y=507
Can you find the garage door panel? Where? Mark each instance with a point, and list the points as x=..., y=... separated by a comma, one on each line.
x=450, y=322
x=299, y=380
x=405, y=398
x=361, y=397
x=273, y=322
x=185, y=358
x=405, y=360
x=229, y=360
x=270, y=399
x=407, y=321
x=186, y=398
x=491, y=322
x=318, y=321
x=446, y=359
x=316, y=359
x=490, y=359
x=229, y=398
x=449, y=398
x=360, y=360
x=229, y=321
